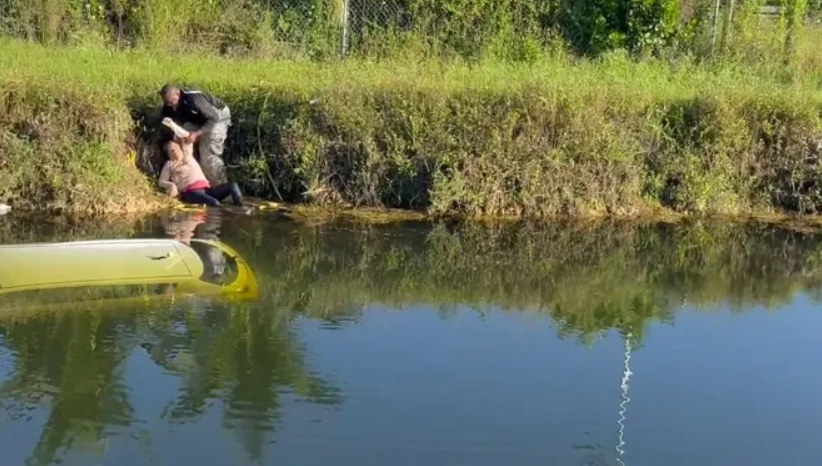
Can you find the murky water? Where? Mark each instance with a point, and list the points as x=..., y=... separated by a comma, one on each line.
x=417, y=344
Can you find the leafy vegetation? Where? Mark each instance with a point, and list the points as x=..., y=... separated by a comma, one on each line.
x=519, y=108
x=560, y=137
x=59, y=150
x=510, y=28
x=502, y=29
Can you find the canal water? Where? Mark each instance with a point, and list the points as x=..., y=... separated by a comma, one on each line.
x=426, y=344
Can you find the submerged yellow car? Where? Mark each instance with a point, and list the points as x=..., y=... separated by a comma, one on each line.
x=48, y=274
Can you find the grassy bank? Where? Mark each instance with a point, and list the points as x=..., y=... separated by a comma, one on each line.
x=559, y=137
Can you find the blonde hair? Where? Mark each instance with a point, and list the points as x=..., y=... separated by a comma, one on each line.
x=179, y=146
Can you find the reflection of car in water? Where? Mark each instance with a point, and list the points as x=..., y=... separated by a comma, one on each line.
x=47, y=274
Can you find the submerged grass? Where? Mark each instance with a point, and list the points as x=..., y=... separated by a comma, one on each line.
x=562, y=136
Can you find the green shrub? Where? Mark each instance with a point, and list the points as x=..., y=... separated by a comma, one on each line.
x=555, y=138
x=534, y=151
x=66, y=150
x=465, y=29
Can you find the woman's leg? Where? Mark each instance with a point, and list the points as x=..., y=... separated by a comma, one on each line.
x=224, y=190
x=199, y=196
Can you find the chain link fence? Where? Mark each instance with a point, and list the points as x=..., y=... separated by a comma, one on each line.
x=8, y=22
x=364, y=17
x=301, y=25
x=269, y=27
x=225, y=26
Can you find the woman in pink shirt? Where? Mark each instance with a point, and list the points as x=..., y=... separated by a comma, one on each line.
x=183, y=177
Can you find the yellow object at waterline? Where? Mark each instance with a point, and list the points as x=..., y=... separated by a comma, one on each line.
x=198, y=267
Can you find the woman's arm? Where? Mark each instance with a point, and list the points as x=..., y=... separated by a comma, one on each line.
x=179, y=132
x=165, y=180
x=180, y=136
x=165, y=175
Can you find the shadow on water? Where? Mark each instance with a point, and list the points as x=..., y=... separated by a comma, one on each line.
x=242, y=358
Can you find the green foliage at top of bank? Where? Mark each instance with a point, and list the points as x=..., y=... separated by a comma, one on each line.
x=597, y=26
x=557, y=138
x=509, y=29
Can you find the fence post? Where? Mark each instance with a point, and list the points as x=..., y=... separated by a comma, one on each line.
x=795, y=12
x=728, y=24
x=345, y=9
x=714, y=25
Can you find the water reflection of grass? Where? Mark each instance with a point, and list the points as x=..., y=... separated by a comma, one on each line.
x=17, y=229
x=588, y=278
x=72, y=365
x=245, y=358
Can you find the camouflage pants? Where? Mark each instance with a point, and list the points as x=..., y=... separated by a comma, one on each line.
x=211, y=146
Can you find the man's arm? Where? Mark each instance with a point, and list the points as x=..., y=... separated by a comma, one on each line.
x=211, y=114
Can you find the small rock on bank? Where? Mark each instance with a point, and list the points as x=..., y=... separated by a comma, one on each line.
x=4, y=208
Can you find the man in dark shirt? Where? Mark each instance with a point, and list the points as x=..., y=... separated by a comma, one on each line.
x=207, y=118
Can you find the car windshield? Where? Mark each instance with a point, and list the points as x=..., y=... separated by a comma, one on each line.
x=218, y=267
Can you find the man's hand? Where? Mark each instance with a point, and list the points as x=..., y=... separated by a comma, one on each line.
x=192, y=137
x=172, y=191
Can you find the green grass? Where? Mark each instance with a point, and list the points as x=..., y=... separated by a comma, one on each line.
x=86, y=68
x=562, y=136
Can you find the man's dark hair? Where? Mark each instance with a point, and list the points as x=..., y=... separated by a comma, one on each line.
x=169, y=89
